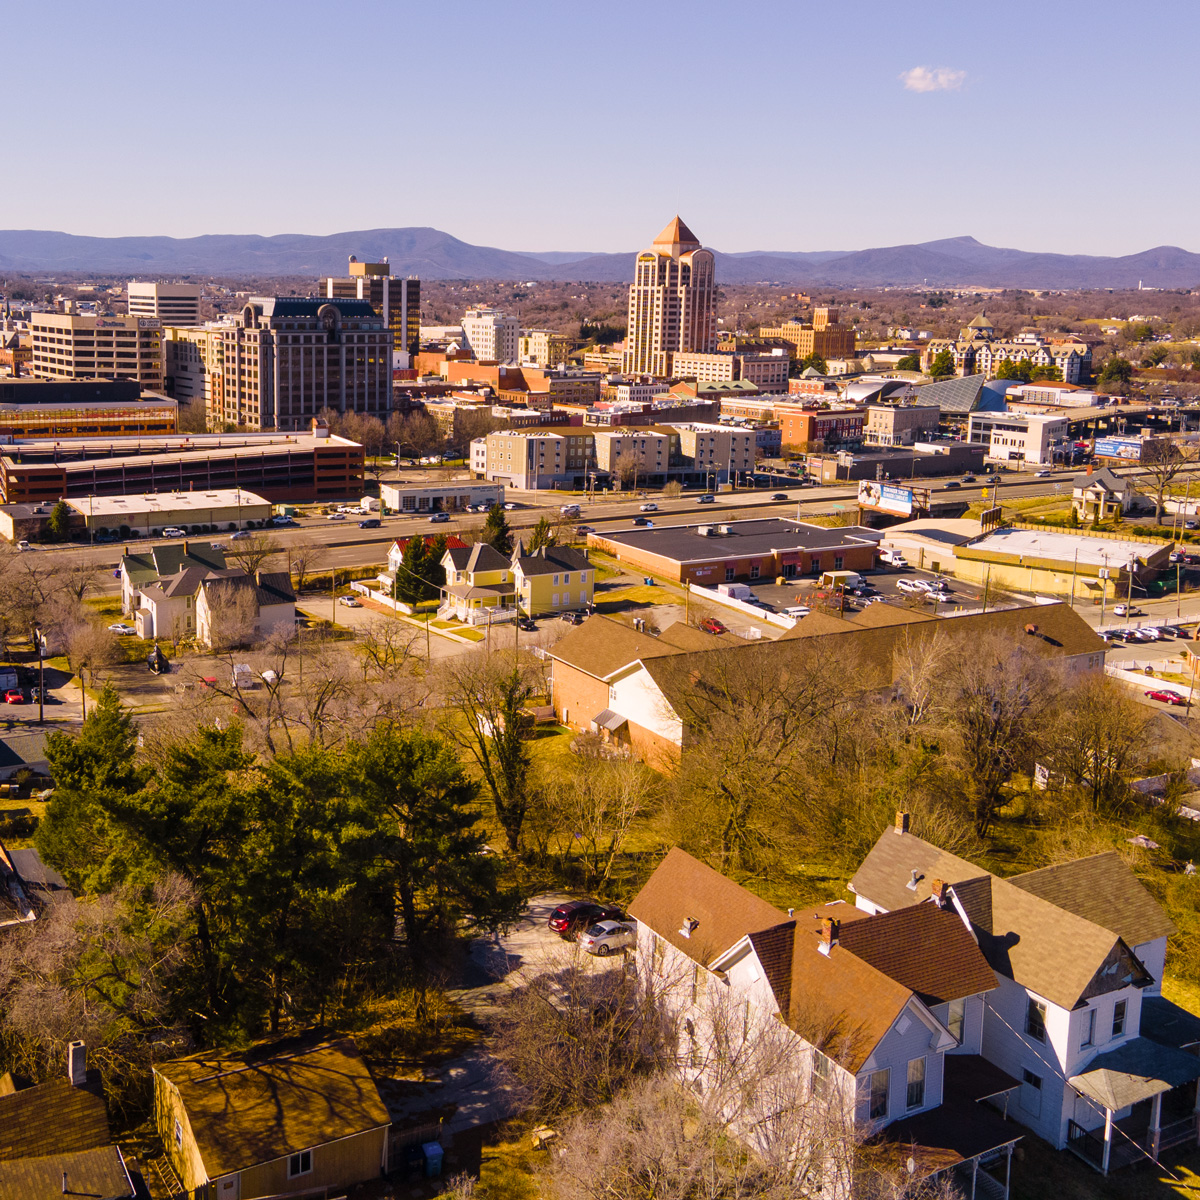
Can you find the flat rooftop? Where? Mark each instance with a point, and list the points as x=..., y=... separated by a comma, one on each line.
x=1063, y=547
x=171, y=502
x=685, y=543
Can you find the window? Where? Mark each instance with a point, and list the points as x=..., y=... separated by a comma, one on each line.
x=300, y=1164
x=880, y=1082
x=754, y=570
x=916, y=1083
x=728, y=574
x=1089, y=1028
x=820, y=1072
x=1035, y=1020
x=954, y=1019
x=178, y=1135
x=1031, y=1092
x=1119, y=1018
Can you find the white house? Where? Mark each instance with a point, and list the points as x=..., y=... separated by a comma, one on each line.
x=880, y=1016
x=1078, y=950
x=262, y=603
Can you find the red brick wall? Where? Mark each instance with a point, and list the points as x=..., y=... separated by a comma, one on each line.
x=580, y=694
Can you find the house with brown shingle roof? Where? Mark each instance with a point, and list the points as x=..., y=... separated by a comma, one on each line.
x=1078, y=950
x=884, y=1013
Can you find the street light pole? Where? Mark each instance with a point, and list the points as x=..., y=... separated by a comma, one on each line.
x=37, y=633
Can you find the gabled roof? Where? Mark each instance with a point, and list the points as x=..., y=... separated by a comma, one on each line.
x=1105, y=478
x=1101, y=889
x=548, y=560
x=98, y=1174
x=453, y=542
x=601, y=645
x=54, y=1117
x=269, y=587
x=169, y=558
x=269, y=1102
x=485, y=558
x=886, y=872
x=926, y=948
x=683, y=888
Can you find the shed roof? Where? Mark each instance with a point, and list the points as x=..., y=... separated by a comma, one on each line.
x=262, y=1105
x=1135, y=1071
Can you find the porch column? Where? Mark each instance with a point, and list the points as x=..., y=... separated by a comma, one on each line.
x=1155, y=1124
x=974, y=1175
x=1108, y=1124
x=1007, y=1169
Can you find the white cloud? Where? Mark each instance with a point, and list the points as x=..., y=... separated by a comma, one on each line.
x=932, y=79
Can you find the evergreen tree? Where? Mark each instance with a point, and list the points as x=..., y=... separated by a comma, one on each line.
x=815, y=361
x=496, y=531
x=59, y=522
x=432, y=570
x=943, y=364
x=410, y=575
x=910, y=362
x=541, y=535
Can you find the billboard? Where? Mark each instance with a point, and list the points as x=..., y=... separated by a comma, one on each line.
x=885, y=497
x=1119, y=447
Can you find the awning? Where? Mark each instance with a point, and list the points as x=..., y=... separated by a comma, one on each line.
x=609, y=720
x=967, y=1078
x=946, y=1137
x=1136, y=1071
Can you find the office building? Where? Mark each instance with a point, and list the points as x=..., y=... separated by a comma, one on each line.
x=826, y=336
x=1010, y=437
x=67, y=346
x=900, y=424
x=636, y=456
x=717, y=448
x=492, y=336
x=287, y=358
x=804, y=428
x=171, y=303
x=397, y=300
x=672, y=303
x=543, y=348
x=768, y=372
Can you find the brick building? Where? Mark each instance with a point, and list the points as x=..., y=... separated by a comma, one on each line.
x=800, y=426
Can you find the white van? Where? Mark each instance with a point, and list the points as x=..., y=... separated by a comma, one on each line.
x=893, y=558
x=842, y=579
x=571, y=510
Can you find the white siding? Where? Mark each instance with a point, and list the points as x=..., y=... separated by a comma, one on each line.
x=638, y=699
x=1153, y=956
x=910, y=1037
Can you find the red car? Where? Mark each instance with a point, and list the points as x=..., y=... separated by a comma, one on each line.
x=1163, y=696
x=568, y=919
x=712, y=625
x=14, y=696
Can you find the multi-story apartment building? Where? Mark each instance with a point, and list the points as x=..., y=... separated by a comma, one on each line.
x=66, y=346
x=193, y=366
x=826, y=336
x=768, y=372
x=537, y=458
x=543, y=348
x=717, y=448
x=172, y=303
x=672, y=303
x=900, y=424
x=636, y=455
x=397, y=300
x=288, y=358
x=492, y=335
x=800, y=426
x=978, y=351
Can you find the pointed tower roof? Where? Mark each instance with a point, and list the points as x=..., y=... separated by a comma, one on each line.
x=678, y=237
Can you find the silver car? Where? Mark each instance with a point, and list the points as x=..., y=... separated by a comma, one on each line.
x=606, y=936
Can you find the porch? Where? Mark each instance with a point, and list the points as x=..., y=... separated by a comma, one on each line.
x=1157, y=1084
x=479, y=604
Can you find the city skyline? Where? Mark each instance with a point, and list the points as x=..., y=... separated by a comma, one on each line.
x=958, y=126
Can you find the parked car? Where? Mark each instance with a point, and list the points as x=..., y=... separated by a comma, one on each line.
x=350, y=601
x=121, y=629
x=218, y=545
x=568, y=919
x=797, y=611
x=606, y=936
x=526, y=624
x=174, y=531
x=780, y=496
x=337, y=516
x=240, y=535
x=439, y=517
x=712, y=625
x=648, y=507
x=571, y=618
x=14, y=696
x=892, y=558
x=1128, y=610
x=23, y=544
x=370, y=523
x=707, y=498
x=1166, y=696
x=912, y=586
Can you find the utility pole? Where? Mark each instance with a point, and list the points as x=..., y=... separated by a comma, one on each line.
x=1074, y=576
x=333, y=594
x=987, y=582
x=1129, y=597
x=489, y=632
x=37, y=633
x=1178, y=597
x=687, y=601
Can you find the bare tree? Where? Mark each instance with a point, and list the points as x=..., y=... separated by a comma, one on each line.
x=233, y=613
x=252, y=552
x=304, y=553
x=89, y=648
x=1163, y=463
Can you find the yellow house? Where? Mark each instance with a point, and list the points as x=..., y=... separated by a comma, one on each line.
x=272, y=1121
x=552, y=579
x=479, y=585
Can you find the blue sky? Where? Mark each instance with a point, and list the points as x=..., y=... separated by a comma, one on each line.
x=534, y=126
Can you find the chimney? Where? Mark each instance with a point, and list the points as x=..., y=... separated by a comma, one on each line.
x=938, y=892
x=77, y=1064
x=1031, y=629
x=912, y=883
x=901, y=822
x=829, y=934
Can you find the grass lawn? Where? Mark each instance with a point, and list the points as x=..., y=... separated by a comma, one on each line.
x=508, y=1170
x=464, y=631
x=624, y=597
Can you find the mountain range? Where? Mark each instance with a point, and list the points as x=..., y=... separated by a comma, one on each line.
x=948, y=262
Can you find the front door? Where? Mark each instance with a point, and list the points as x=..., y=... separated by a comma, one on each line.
x=229, y=1188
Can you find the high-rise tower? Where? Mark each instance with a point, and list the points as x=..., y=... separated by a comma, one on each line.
x=672, y=302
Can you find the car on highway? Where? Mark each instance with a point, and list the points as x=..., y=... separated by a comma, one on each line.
x=1128, y=610
x=707, y=498
x=370, y=523
x=174, y=531
x=1042, y=474
x=281, y=521
x=993, y=478
x=439, y=517
x=606, y=936
x=350, y=601
x=648, y=507
x=780, y=496
x=951, y=483
x=642, y=521
x=712, y=625
x=121, y=629
x=570, y=510
x=584, y=529
x=968, y=478
x=1166, y=696
x=14, y=696
x=218, y=546
x=509, y=505
x=568, y=919
x=240, y=536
